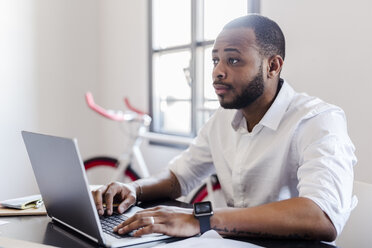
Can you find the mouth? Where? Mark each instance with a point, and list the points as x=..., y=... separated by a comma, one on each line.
x=221, y=88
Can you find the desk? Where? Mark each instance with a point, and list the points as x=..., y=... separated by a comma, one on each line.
x=40, y=229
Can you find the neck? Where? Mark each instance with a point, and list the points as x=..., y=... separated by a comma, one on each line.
x=256, y=111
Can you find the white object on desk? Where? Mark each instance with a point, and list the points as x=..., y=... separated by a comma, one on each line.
x=3, y=222
x=208, y=239
x=32, y=201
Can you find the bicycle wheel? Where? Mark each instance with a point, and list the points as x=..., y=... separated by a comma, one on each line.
x=110, y=162
x=202, y=193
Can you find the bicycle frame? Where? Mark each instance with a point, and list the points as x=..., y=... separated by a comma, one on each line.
x=137, y=119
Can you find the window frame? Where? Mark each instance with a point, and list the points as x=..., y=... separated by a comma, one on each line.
x=197, y=60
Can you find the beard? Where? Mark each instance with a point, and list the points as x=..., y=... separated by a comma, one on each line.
x=251, y=92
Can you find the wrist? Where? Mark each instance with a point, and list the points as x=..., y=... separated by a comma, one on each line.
x=203, y=212
x=138, y=190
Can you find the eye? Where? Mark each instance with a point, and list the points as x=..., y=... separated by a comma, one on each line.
x=233, y=61
x=215, y=61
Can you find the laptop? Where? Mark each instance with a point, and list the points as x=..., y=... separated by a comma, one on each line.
x=60, y=175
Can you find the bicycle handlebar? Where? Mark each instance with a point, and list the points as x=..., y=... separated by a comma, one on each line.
x=130, y=107
x=118, y=115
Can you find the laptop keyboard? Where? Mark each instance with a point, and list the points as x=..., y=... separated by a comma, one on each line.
x=109, y=222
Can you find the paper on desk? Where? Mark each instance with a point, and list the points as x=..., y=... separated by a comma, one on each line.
x=208, y=239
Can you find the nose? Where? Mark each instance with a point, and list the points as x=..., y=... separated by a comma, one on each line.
x=219, y=73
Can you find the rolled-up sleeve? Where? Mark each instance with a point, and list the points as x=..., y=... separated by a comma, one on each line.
x=327, y=159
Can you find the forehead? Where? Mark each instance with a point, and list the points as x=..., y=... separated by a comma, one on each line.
x=242, y=39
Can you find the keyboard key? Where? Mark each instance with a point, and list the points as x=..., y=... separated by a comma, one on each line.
x=109, y=222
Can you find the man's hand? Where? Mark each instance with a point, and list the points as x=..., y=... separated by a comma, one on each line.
x=172, y=221
x=125, y=194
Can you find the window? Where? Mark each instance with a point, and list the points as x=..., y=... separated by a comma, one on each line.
x=182, y=33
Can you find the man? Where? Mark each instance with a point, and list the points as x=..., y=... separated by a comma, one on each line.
x=284, y=159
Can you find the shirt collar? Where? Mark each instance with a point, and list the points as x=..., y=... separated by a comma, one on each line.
x=274, y=115
x=237, y=121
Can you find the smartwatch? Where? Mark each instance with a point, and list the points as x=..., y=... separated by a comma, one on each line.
x=203, y=212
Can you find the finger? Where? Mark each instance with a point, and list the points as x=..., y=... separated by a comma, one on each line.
x=97, y=196
x=126, y=228
x=112, y=190
x=137, y=224
x=129, y=201
x=126, y=222
x=129, y=195
x=136, y=218
x=155, y=228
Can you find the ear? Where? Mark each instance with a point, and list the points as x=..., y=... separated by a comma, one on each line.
x=275, y=64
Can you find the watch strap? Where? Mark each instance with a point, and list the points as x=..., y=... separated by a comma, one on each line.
x=205, y=224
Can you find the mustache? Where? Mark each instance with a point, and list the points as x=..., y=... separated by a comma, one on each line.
x=218, y=83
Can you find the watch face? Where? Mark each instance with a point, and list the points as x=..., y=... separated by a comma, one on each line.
x=203, y=207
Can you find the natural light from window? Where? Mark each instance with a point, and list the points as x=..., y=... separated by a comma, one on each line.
x=182, y=94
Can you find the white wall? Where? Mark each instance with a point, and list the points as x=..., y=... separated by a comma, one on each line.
x=48, y=60
x=18, y=96
x=123, y=62
x=66, y=66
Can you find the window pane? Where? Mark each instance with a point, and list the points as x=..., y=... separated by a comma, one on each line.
x=210, y=98
x=176, y=117
x=218, y=13
x=171, y=23
x=208, y=81
x=172, y=92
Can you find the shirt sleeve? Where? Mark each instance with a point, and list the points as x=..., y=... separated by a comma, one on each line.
x=326, y=164
x=194, y=164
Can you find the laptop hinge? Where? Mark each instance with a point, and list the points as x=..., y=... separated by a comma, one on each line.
x=76, y=230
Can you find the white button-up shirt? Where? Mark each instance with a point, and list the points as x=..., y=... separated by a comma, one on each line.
x=299, y=148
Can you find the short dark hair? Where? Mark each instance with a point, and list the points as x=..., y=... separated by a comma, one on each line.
x=269, y=36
